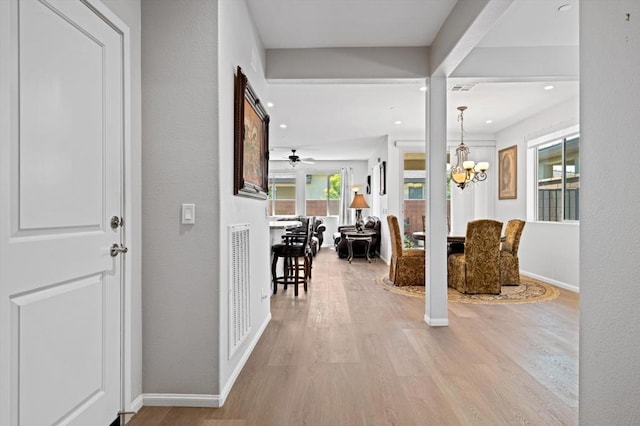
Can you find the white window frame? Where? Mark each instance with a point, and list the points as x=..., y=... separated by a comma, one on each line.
x=327, y=172
x=533, y=145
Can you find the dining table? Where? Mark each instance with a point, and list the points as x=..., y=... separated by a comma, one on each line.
x=451, y=239
x=458, y=239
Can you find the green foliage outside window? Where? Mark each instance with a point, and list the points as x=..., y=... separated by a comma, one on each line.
x=335, y=182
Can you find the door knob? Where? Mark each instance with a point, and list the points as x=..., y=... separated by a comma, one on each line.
x=117, y=249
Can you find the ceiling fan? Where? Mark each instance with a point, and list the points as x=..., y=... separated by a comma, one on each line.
x=295, y=159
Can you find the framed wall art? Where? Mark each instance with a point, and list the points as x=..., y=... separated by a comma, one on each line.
x=508, y=173
x=383, y=178
x=251, y=141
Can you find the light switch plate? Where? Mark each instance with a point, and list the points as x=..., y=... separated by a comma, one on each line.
x=188, y=214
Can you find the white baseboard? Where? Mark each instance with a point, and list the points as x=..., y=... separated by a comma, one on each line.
x=136, y=404
x=436, y=322
x=203, y=400
x=180, y=400
x=245, y=356
x=556, y=283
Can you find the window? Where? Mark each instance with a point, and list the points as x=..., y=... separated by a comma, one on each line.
x=558, y=180
x=322, y=194
x=414, y=194
x=414, y=187
x=282, y=194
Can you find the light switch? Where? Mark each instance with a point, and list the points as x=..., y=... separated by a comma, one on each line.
x=188, y=214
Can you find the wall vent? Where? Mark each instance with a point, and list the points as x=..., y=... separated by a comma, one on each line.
x=239, y=286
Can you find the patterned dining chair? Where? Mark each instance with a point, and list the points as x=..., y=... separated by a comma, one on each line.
x=509, y=262
x=477, y=269
x=407, y=265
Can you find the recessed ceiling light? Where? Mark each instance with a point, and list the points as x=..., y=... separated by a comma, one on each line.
x=283, y=126
x=565, y=8
x=489, y=121
x=423, y=89
x=549, y=87
x=398, y=122
x=270, y=104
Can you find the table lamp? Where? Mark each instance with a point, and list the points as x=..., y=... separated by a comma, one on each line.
x=358, y=203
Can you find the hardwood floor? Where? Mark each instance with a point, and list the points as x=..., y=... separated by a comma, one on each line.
x=350, y=353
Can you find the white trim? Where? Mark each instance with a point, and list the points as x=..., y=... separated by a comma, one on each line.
x=126, y=210
x=556, y=283
x=181, y=400
x=557, y=135
x=436, y=322
x=243, y=360
x=136, y=404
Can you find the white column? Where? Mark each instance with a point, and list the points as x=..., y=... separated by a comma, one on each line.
x=436, y=211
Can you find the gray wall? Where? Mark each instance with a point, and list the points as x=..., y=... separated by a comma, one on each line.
x=549, y=251
x=609, y=233
x=180, y=264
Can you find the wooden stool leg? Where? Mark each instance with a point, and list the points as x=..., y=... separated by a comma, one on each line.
x=274, y=277
x=297, y=277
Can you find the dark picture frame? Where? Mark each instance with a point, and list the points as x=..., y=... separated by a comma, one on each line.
x=383, y=178
x=251, y=141
x=508, y=173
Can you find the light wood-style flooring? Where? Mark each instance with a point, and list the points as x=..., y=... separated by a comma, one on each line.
x=350, y=353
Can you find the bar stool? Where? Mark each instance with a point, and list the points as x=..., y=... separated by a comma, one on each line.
x=296, y=252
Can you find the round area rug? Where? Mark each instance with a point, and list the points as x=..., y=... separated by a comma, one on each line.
x=529, y=291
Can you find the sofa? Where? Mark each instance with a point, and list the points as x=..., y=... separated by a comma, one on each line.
x=317, y=232
x=342, y=248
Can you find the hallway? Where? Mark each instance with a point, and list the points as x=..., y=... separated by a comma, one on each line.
x=350, y=353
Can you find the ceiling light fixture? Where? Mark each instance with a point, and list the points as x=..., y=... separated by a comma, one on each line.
x=398, y=122
x=549, y=87
x=423, y=89
x=294, y=159
x=489, y=121
x=283, y=126
x=270, y=104
x=466, y=171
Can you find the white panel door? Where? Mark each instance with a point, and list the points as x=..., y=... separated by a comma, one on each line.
x=61, y=150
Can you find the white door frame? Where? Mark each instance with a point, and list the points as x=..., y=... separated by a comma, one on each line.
x=126, y=372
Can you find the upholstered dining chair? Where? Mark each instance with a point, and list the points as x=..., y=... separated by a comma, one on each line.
x=477, y=269
x=407, y=265
x=509, y=262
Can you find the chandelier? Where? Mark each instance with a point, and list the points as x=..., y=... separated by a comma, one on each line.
x=466, y=171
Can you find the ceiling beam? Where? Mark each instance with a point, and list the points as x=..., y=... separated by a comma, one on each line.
x=464, y=28
x=351, y=64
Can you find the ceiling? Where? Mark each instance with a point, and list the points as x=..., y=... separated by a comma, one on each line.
x=330, y=121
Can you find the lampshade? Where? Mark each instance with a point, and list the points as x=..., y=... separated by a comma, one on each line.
x=359, y=202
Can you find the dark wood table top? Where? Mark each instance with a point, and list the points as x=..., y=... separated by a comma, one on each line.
x=420, y=235
x=354, y=233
